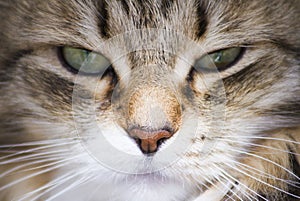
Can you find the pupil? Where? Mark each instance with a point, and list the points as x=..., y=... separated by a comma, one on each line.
x=86, y=53
x=218, y=57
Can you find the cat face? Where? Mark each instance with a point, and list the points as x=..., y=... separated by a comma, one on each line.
x=153, y=100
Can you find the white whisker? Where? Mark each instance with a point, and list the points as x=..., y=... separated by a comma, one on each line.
x=270, y=161
x=39, y=143
x=259, y=145
x=229, y=188
x=240, y=183
x=266, y=175
x=260, y=137
x=59, y=165
x=18, y=152
x=28, y=164
x=232, y=184
x=216, y=192
x=35, y=156
x=259, y=180
x=54, y=184
x=73, y=185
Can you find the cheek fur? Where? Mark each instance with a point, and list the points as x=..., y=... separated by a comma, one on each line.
x=251, y=152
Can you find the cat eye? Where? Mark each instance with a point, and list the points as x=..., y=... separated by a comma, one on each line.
x=221, y=59
x=84, y=61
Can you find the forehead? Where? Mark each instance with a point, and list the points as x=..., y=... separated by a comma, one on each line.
x=191, y=17
x=187, y=17
x=86, y=23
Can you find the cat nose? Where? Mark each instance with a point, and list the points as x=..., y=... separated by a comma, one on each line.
x=149, y=141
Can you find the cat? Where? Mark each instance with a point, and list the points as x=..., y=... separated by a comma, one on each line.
x=166, y=100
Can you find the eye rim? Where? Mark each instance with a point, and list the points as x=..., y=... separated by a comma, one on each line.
x=225, y=67
x=73, y=70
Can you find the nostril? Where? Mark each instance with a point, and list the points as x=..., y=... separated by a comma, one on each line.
x=149, y=141
x=137, y=140
x=161, y=141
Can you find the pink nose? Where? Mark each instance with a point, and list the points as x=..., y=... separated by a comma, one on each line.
x=149, y=141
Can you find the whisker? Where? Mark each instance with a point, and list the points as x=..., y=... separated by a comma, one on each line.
x=43, y=166
x=34, y=156
x=46, y=186
x=201, y=184
x=30, y=176
x=54, y=184
x=260, y=137
x=240, y=183
x=259, y=180
x=16, y=152
x=60, y=164
x=95, y=190
x=266, y=175
x=26, y=165
x=229, y=189
x=259, y=145
x=210, y=192
x=73, y=185
x=39, y=143
x=233, y=184
x=270, y=161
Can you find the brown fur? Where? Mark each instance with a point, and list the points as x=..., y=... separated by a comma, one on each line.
x=152, y=85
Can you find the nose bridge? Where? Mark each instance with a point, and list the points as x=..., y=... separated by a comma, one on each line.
x=154, y=107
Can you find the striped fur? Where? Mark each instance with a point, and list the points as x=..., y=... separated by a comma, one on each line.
x=237, y=132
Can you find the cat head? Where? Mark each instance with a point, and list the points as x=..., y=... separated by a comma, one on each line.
x=123, y=82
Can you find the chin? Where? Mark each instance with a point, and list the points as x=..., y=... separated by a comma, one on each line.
x=111, y=186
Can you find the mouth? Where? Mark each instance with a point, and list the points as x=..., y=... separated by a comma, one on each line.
x=216, y=191
x=150, y=178
x=147, y=176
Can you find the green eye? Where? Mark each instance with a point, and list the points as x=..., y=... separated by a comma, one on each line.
x=85, y=61
x=221, y=59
